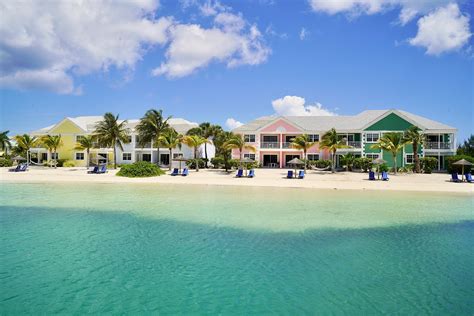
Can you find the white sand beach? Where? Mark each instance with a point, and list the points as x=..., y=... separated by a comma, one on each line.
x=438, y=182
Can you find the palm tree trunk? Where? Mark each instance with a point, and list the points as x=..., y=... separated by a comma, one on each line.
x=333, y=162
x=394, y=163
x=55, y=160
x=240, y=157
x=205, y=153
x=195, y=159
x=304, y=157
x=169, y=160
x=415, y=157
x=115, y=157
x=87, y=162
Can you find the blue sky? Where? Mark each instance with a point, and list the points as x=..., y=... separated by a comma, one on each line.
x=212, y=61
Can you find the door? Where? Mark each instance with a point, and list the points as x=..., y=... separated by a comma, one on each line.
x=164, y=159
x=102, y=158
x=146, y=157
x=270, y=161
x=289, y=157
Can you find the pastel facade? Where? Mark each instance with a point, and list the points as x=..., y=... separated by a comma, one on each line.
x=72, y=128
x=272, y=137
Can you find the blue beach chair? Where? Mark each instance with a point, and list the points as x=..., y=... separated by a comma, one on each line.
x=468, y=177
x=175, y=172
x=185, y=172
x=94, y=170
x=290, y=174
x=16, y=169
x=240, y=173
x=251, y=173
x=454, y=177
x=384, y=176
x=301, y=174
x=102, y=169
x=371, y=175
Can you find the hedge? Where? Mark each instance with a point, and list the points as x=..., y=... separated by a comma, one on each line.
x=140, y=169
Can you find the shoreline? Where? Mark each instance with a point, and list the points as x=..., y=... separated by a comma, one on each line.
x=276, y=178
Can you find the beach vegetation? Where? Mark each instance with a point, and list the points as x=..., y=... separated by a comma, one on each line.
x=414, y=135
x=322, y=163
x=191, y=163
x=194, y=141
x=363, y=163
x=332, y=142
x=85, y=143
x=392, y=142
x=223, y=153
x=24, y=143
x=208, y=131
x=347, y=160
x=150, y=128
x=302, y=142
x=111, y=132
x=455, y=168
x=170, y=139
x=69, y=163
x=428, y=164
x=236, y=141
x=383, y=168
x=52, y=143
x=467, y=147
x=6, y=162
x=140, y=169
x=5, y=143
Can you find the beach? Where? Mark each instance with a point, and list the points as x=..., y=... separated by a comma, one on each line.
x=437, y=182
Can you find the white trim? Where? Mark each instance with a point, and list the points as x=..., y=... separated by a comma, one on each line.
x=284, y=119
x=79, y=152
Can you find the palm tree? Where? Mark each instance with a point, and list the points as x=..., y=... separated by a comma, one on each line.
x=110, y=133
x=332, y=142
x=85, y=143
x=221, y=150
x=170, y=139
x=24, y=143
x=415, y=137
x=303, y=143
x=194, y=141
x=348, y=160
x=237, y=142
x=150, y=128
x=392, y=142
x=5, y=143
x=208, y=131
x=52, y=143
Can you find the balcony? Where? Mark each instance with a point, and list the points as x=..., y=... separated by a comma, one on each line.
x=354, y=144
x=437, y=145
x=286, y=145
x=146, y=146
x=270, y=145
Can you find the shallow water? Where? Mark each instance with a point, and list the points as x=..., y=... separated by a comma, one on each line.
x=211, y=250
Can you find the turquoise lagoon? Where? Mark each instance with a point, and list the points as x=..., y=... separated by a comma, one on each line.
x=146, y=249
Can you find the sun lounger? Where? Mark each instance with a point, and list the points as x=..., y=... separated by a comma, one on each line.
x=468, y=177
x=102, y=169
x=290, y=174
x=384, y=176
x=16, y=169
x=251, y=173
x=94, y=170
x=301, y=174
x=185, y=172
x=240, y=173
x=371, y=175
x=175, y=172
x=454, y=177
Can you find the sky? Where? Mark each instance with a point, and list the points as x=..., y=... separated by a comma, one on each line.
x=229, y=62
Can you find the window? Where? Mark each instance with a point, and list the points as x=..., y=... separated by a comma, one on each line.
x=313, y=157
x=372, y=137
x=372, y=156
x=409, y=159
x=270, y=139
x=127, y=156
x=249, y=138
x=177, y=155
x=313, y=137
x=55, y=156
x=250, y=156
x=44, y=156
x=79, y=156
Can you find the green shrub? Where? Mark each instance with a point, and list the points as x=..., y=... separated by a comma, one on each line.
x=363, y=163
x=69, y=163
x=140, y=169
x=60, y=162
x=191, y=163
x=321, y=163
x=454, y=168
x=6, y=162
x=235, y=163
x=218, y=162
x=384, y=168
x=428, y=164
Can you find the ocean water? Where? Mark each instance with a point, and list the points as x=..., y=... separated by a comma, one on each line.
x=148, y=249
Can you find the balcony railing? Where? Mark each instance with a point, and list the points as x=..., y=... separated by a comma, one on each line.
x=354, y=144
x=147, y=145
x=438, y=145
x=272, y=145
x=286, y=145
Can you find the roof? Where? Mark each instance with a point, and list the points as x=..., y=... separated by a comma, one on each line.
x=342, y=122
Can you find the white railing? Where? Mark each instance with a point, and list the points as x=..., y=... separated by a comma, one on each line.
x=270, y=145
x=438, y=145
x=354, y=144
x=286, y=145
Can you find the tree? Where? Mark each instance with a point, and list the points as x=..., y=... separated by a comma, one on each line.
x=467, y=148
x=208, y=131
x=237, y=142
x=85, y=143
x=194, y=141
x=302, y=142
x=392, y=142
x=348, y=160
x=23, y=145
x=221, y=150
x=170, y=139
x=150, y=128
x=111, y=133
x=5, y=143
x=414, y=136
x=332, y=142
x=52, y=143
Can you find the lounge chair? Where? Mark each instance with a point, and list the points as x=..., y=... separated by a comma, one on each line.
x=371, y=175
x=468, y=177
x=175, y=172
x=454, y=177
x=301, y=174
x=251, y=173
x=185, y=172
x=94, y=170
x=290, y=174
x=16, y=169
x=384, y=176
x=240, y=173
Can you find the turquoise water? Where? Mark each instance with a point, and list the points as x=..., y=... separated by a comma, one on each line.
x=210, y=250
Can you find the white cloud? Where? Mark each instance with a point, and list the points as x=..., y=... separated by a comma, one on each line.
x=42, y=43
x=296, y=106
x=303, y=33
x=445, y=29
x=232, y=123
x=231, y=40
